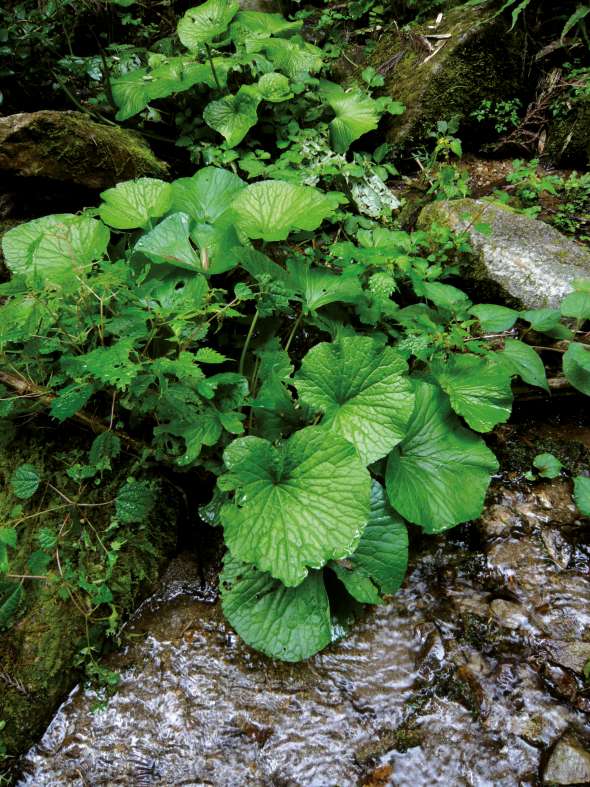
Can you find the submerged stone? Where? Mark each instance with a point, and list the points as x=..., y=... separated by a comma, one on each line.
x=569, y=763
x=446, y=71
x=524, y=261
x=70, y=147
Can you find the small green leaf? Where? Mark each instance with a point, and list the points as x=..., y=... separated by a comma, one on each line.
x=576, y=304
x=494, y=319
x=135, y=501
x=479, y=389
x=205, y=22
x=25, y=481
x=576, y=366
x=582, y=494
x=106, y=446
x=70, y=400
x=298, y=505
x=525, y=362
x=363, y=390
x=274, y=87
x=438, y=476
x=208, y=355
x=271, y=209
x=134, y=203
x=547, y=321
x=287, y=623
x=9, y=605
x=8, y=536
x=548, y=465
x=357, y=582
x=234, y=116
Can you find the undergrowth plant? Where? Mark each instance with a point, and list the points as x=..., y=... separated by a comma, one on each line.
x=278, y=336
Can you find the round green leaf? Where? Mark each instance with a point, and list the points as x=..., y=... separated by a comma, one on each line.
x=296, y=506
x=274, y=87
x=290, y=624
x=207, y=195
x=438, y=476
x=479, y=389
x=259, y=24
x=200, y=25
x=295, y=57
x=382, y=552
x=356, y=114
x=25, y=481
x=233, y=116
x=363, y=390
x=548, y=465
x=134, y=203
x=271, y=209
x=576, y=366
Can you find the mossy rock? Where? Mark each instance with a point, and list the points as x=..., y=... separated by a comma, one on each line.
x=72, y=148
x=520, y=261
x=482, y=59
x=41, y=646
x=568, y=137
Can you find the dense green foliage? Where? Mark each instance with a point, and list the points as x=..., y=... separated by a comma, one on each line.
x=282, y=337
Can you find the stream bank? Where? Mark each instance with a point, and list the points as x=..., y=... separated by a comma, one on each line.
x=472, y=675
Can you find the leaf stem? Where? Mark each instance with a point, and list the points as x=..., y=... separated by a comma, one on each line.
x=247, y=342
x=214, y=72
x=293, y=331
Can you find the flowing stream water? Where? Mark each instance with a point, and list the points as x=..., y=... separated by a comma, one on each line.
x=468, y=677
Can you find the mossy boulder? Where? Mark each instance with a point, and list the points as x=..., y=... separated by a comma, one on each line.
x=95, y=574
x=522, y=261
x=442, y=77
x=568, y=137
x=72, y=148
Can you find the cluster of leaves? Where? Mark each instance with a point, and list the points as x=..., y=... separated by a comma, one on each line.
x=342, y=404
x=573, y=14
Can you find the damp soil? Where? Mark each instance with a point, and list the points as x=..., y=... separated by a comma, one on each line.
x=469, y=676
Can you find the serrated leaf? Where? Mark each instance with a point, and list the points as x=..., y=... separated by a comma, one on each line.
x=363, y=391
x=106, y=446
x=70, y=400
x=38, y=562
x=134, y=502
x=205, y=22
x=169, y=242
x=208, y=355
x=582, y=494
x=274, y=87
x=285, y=623
x=576, y=366
x=294, y=57
x=8, y=536
x=109, y=365
x=356, y=114
x=134, y=203
x=206, y=196
x=525, y=362
x=382, y=552
x=54, y=246
x=493, y=318
x=233, y=116
x=297, y=505
x=438, y=476
x=271, y=209
x=25, y=481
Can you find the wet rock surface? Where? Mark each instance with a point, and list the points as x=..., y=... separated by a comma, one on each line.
x=70, y=147
x=525, y=261
x=471, y=676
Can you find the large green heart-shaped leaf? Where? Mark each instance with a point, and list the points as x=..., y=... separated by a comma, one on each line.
x=438, y=476
x=294, y=57
x=479, y=389
x=207, y=195
x=205, y=22
x=382, y=552
x=134, y=203
x=271, y=209
x=363, y=390
x=298, y=505
x=257, y=24
x=132, y=92
x=576, y=366
x=290, y=624
x=356, y=114
x=233, y=116
x=169, y=242
x=55, y=246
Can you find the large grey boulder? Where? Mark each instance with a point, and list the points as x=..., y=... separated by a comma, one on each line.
x=569, y=763
x=70, y=147
x=448, y=70
x=524, y=261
